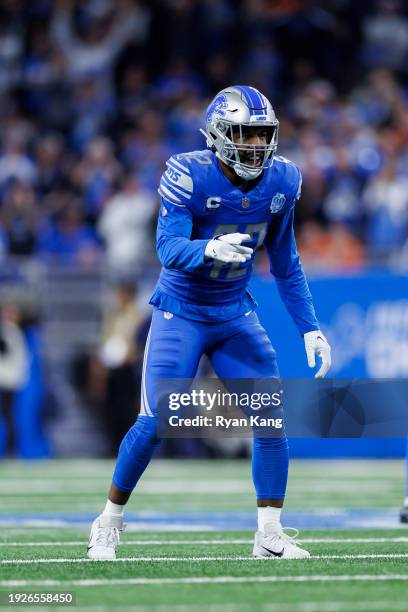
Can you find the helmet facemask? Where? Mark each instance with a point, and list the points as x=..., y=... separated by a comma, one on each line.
x=247, y=160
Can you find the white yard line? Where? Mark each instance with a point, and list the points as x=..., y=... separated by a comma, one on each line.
x=206, y=580
x=195, y=559
x=352, y=540
x=213, y=542
x=42, y=525
x=303, y=606
x=126, y=559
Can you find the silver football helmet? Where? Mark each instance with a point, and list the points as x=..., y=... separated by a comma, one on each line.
x=235, y=116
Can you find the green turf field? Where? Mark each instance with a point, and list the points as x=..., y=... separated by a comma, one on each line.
x=184, y=567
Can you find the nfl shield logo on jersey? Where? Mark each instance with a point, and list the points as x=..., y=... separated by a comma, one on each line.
x=277, y=202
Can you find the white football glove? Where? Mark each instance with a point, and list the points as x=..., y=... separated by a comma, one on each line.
x=227, y=248
x=316, y=343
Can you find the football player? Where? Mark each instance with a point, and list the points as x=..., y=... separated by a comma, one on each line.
x=218, y=206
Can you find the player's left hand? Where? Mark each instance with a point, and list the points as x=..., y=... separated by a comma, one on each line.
x=316, y=344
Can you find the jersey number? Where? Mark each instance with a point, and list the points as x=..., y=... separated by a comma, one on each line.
x=234, y=270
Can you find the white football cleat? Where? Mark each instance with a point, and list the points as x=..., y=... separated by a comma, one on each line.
x=104, y=537
x=274, y=543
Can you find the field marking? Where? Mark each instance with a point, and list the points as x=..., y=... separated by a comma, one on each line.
x=146, y=521
x=196, y=559
x=142, y=526
x=304, y=606
x=401, y=539
x=207, y=580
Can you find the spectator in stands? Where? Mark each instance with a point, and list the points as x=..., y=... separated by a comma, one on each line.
x=341, y=203
x=3, y=243
x=184, y=123
x=49, y=156
x=42, y=70
x=124, y=226
x=386, y=36
x=330, y=249
x=69, y=240
x=96, y=175
x=22, y=389
x=92, y=110
x=104, y=29
x=15, y=162
x=178, y=81
x=146, y=148
x=119, y=355
x=20, y=215
x=386, y=206
x=11, y=48
x=13, y=373
x=133, y=91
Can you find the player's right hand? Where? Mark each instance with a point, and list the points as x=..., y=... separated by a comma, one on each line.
x=228, y=248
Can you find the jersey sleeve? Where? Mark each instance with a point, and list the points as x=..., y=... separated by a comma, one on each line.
x=175, y=248
x=298, y=187
x=293, y=178
x=287, y=269
x=176, y=184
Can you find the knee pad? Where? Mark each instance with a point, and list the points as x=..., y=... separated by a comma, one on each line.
x=143, y=432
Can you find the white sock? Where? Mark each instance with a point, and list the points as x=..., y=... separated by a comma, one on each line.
x=406, y=502
x=268, y=515
x=112, y=509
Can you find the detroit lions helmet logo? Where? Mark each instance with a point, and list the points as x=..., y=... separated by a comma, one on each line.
x=218, y=107
x=277, y=203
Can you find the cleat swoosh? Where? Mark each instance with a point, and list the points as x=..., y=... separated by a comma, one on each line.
x=275, y=554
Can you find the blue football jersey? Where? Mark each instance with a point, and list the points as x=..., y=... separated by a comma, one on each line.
x=199, y=202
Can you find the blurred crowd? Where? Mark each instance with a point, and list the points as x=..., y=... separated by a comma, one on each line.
x=96, y=95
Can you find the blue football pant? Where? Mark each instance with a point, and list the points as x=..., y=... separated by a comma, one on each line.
x=239, y=348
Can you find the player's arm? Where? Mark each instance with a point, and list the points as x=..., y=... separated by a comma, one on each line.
x=176, y=249
x=175, y=224
x=285, y=266
x=287, y=269
x=173, y=240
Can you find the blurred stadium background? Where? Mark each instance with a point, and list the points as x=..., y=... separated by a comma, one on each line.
x=94, y=97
